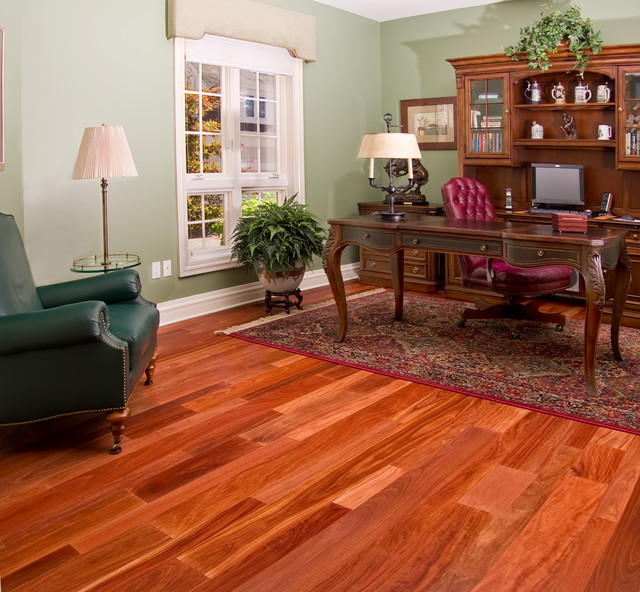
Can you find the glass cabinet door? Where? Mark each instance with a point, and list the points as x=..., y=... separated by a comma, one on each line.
x=487, y=128
x=629, y=119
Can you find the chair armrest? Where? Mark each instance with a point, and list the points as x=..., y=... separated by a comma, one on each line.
x=115, y=286
x=73, y=324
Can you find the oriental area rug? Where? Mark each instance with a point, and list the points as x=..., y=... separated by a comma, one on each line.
x=543, y=370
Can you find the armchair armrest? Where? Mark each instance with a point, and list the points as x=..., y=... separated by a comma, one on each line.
x=73, y=324
x=115, y=286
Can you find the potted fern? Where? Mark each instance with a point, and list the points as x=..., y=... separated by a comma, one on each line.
x=553, y=30
x=278, y=242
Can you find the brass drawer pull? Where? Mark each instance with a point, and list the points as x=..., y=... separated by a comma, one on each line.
x=416, y=241
x=634, y=236
x=415, y=270
x=416, y=252
x=540, y=253
x=483, y=248
x=365, y=235
x=372, y=264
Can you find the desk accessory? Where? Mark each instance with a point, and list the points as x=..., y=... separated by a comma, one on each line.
x=605, y=204
x=392, y=146
x=508, y=204
x=569, y=222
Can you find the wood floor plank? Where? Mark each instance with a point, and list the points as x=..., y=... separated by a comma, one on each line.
x=546, y=538
x=59, y=533
x=84, y=571
x=171, y=548
x=341, y=542
x=468, y=567
x=248, y=468
x=498, y=490
x=619, y=567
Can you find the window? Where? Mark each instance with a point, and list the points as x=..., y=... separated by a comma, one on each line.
x=239, y=140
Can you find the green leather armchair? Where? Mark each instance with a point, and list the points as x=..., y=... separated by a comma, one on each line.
x=74, y=347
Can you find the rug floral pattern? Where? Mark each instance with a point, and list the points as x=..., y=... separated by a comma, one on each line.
x=543, y=370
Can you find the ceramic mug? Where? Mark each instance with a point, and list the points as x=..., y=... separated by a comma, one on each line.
x=604, y=132
x=537, y=131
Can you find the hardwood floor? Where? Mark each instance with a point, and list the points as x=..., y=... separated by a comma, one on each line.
x=247, y=468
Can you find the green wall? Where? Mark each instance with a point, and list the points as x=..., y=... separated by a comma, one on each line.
x=70, y=64
x=77, y=63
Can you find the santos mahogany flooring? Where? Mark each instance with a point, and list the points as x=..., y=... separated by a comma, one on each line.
x=247, y=468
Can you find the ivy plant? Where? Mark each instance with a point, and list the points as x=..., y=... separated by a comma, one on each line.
x=547, y=34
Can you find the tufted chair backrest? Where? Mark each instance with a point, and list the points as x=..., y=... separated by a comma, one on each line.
x=467, y=199
x=17, y=288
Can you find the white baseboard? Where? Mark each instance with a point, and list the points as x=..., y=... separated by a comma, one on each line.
x=189, y=307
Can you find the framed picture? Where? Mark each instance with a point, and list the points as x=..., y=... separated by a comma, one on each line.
x=433, y=121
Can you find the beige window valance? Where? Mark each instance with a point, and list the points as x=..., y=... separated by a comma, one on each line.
x=248, y=20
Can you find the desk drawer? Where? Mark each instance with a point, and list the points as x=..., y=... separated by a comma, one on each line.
x=380, y=263
x=452, y=244
x=367, y=238
x=522, y=253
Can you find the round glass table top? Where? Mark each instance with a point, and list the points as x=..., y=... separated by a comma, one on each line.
x=97, y=264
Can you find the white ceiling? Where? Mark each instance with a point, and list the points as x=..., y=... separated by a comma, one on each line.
x=387, y=10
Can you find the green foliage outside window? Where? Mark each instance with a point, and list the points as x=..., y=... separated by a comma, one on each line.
x=210, y=134
x=207, y=212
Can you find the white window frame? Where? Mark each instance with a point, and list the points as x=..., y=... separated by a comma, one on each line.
x=290, y=177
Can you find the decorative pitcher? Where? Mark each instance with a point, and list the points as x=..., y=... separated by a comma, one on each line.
x=558, y=93
x=533, y=92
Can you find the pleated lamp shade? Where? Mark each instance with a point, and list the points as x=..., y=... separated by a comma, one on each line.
x=104, y=153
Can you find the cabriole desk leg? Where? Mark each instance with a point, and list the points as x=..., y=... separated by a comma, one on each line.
x=621, y=289
x=595, y=293
x=397, y=278
x=331, y=261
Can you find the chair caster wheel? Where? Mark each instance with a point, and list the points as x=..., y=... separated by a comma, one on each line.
x=559, y=327
x=461, y=323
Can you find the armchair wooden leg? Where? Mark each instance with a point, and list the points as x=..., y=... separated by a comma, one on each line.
x=117, y=419
x=151, y=368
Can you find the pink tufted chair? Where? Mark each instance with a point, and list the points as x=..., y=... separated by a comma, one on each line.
x=469, y=199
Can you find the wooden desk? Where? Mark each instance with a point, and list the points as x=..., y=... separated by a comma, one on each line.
x=521, y=245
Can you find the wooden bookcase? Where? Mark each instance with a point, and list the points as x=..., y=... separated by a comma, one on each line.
x=495, y=144
x=495, y=118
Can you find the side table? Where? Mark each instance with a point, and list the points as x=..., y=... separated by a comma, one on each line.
x=96, y=264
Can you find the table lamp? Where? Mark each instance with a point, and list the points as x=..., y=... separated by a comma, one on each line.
x=104, y=153
x=390, y=146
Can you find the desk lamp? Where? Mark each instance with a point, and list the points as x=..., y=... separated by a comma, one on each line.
x=391, y=146
x=103, y=153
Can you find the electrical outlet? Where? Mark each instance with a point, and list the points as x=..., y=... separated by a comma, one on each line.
x=155, y=270
x=166, y=267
